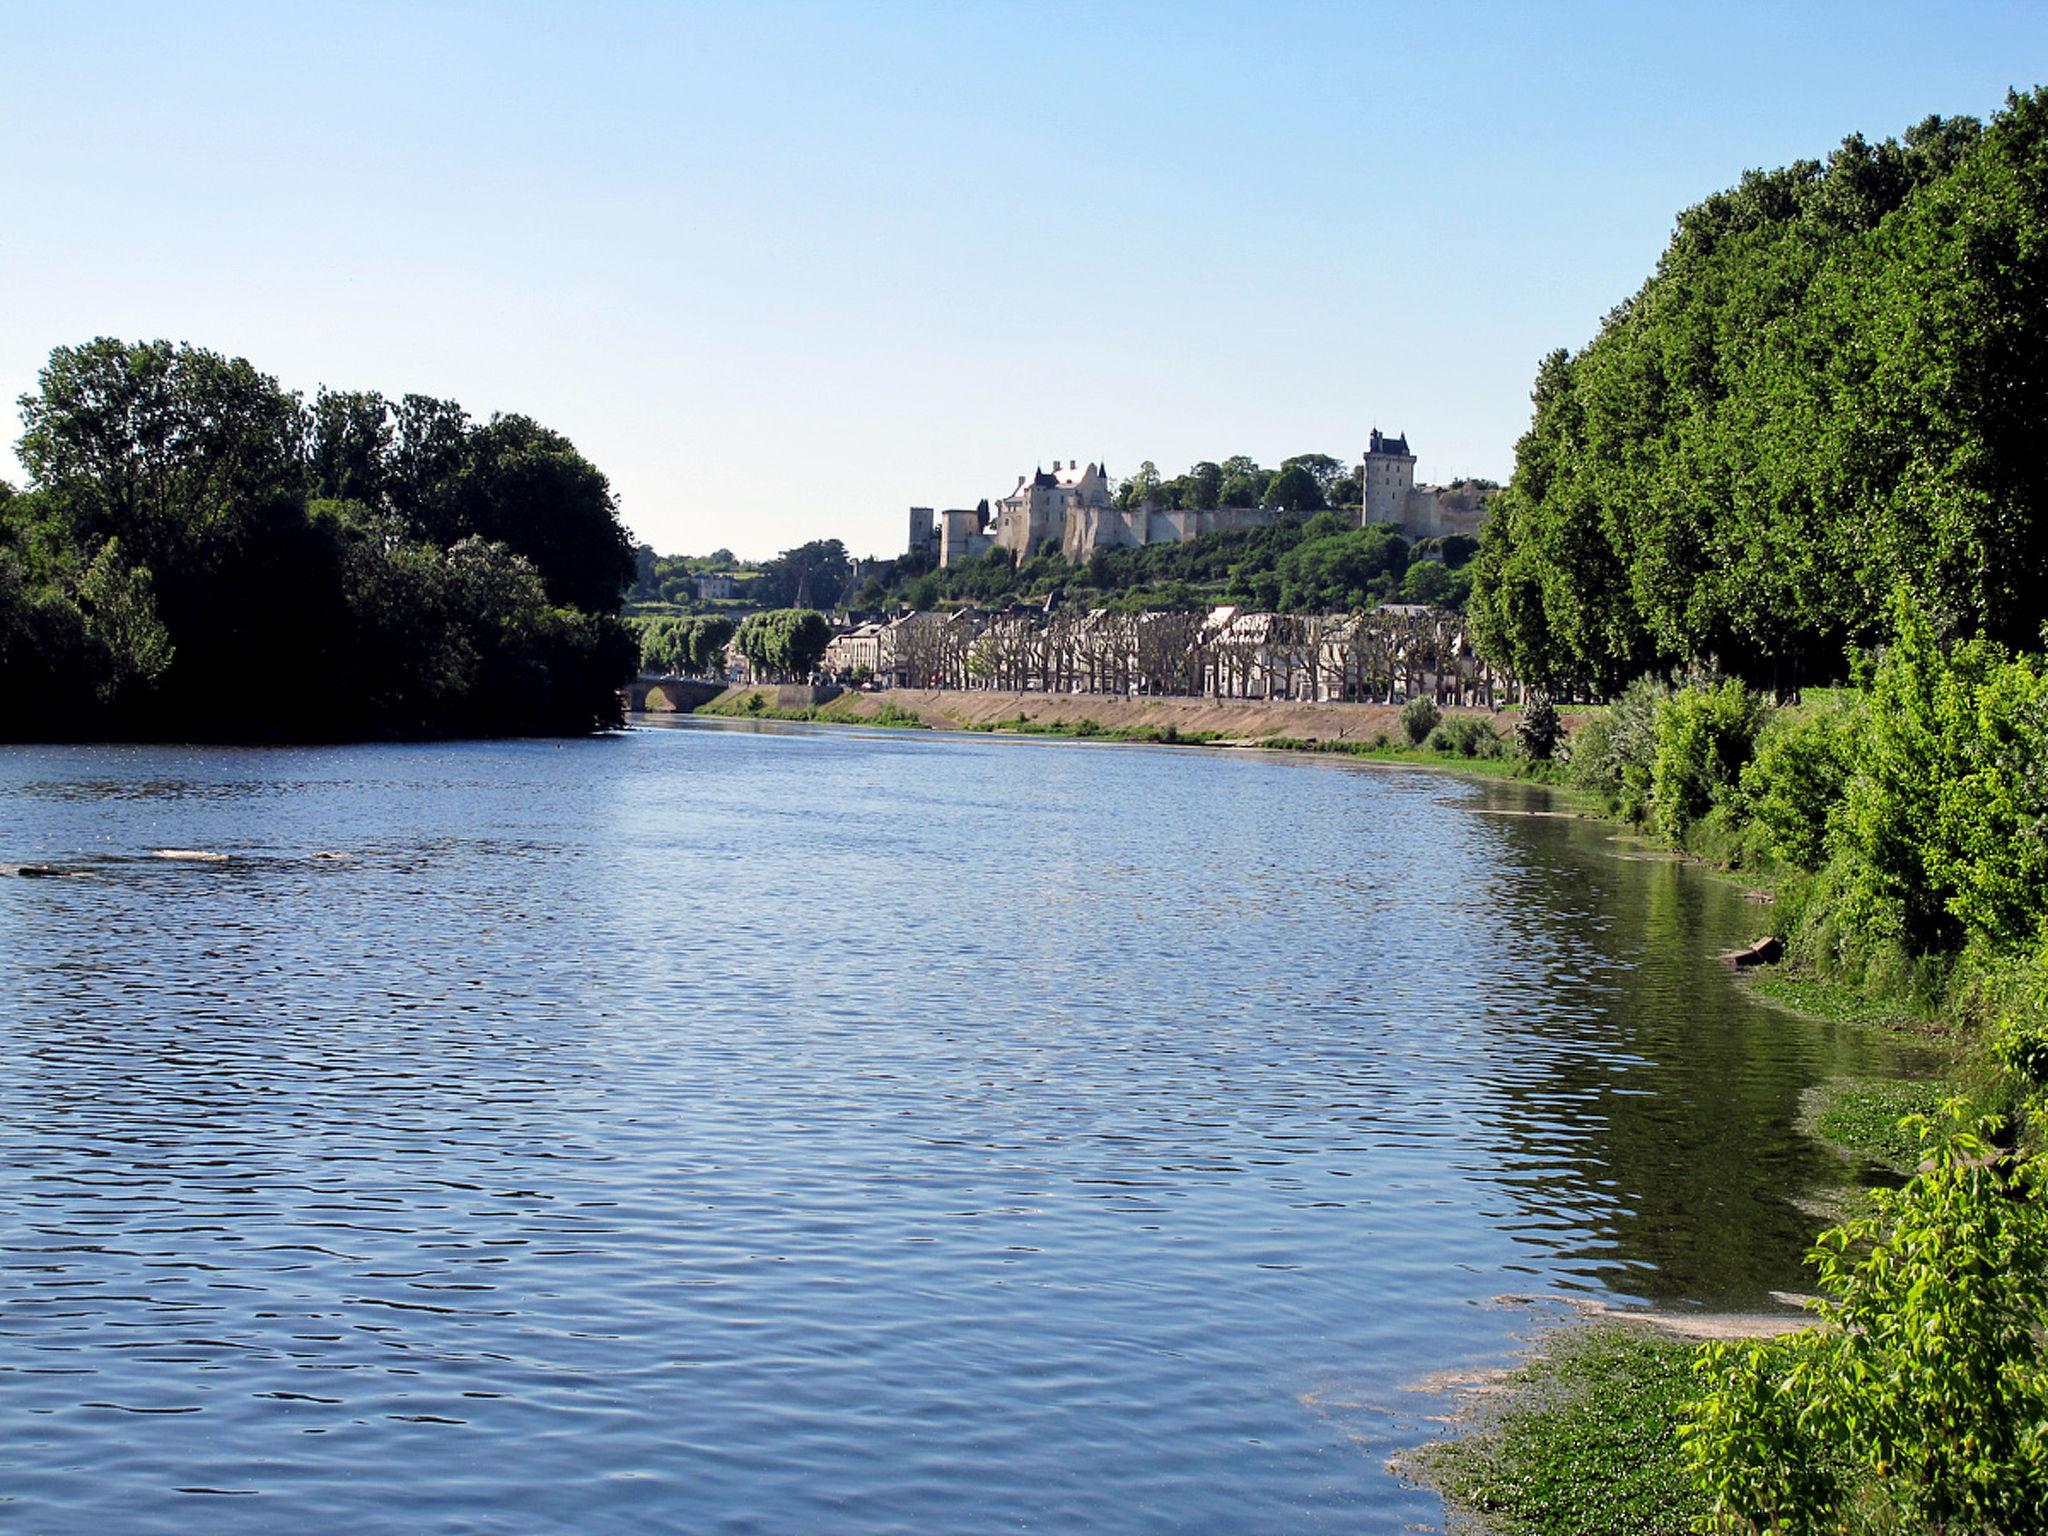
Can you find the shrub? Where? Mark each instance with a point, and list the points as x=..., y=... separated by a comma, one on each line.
x=1704, y=738
x=1795, y=781
x=1419, y=716
x=1586, y=757
x=1920, y=1402
x=1539, y=730
x=1466, y=736
x=1939, y=833
x=1612, y=754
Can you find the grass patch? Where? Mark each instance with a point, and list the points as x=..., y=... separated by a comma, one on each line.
x=1585, y=1444
x=1819, y=998
x=1089, y=728
x=1507, y=765
x=845, y=710
x=1862, y=1117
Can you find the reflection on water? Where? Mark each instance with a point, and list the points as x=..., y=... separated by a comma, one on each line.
x=730, y=1130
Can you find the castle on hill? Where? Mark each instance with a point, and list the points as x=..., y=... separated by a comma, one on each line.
x=1074, y=505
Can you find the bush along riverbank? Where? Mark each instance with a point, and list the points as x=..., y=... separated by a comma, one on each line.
x=1899, y=823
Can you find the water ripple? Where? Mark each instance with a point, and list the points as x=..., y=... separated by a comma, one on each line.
x=780, y=1130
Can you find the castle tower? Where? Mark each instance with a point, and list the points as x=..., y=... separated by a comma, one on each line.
x=1389, y=477
x=924, y=531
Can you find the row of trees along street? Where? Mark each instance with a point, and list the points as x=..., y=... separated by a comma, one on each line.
x=1368, y=655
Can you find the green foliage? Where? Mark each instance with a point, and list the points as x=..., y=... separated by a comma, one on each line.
x=1822, y=997
x=693, y=647
x=812, y=575
x=1419, y=716
x=1834, y=381
x=890, y=714
x=671, y=580
x=1438, y=585
x=1797, y=778
x=1336, y=569
x=445, y=478
x=1939, y=836
x=786, y=643
x=1613, y=753
x=201, y=555
x=1704, y=739
x=1539, y=730
x=1587, y=1446
x=1920, y=1401
x=1463, y=736
x=1294, y=489
x=1870, y=1118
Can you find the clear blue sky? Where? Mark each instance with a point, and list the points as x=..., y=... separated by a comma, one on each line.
x=784, y=270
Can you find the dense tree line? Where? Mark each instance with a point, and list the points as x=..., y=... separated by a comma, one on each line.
x=1322, y=563
x=1308, y=482
x=1836, y=379
x=201, y=554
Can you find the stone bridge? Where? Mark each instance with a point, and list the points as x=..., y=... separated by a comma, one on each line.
x=669, y=695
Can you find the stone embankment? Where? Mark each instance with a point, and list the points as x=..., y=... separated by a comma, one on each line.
x=1229, y=719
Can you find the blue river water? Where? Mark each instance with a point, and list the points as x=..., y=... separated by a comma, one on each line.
x=725, y=1129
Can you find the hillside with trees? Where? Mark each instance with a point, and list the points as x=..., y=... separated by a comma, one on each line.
x=1835, y=381
x=200, y=554
x=1321, y=561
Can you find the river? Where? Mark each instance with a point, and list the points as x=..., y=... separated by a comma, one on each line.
x=780, y=1129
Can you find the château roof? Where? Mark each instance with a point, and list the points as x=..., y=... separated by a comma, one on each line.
x=1383, y=444
x=1063, y=475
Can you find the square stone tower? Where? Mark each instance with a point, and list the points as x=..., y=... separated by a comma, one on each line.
x=1389, y=477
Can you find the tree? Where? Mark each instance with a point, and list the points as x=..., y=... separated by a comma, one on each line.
x=1294, y=489
x=526, y=486
x=708, y=639
x=349, y=441
x=1142, y=489
x=813, y=574
x=1329, y=473
x=786, y=643
x=1202, y=486
x=1429, y=582
x=1243, y=487
x=1420, y=716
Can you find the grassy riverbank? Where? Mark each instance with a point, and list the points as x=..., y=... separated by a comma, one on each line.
x=1370, y=732
x=1890, y=827
x=1580, y=1441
